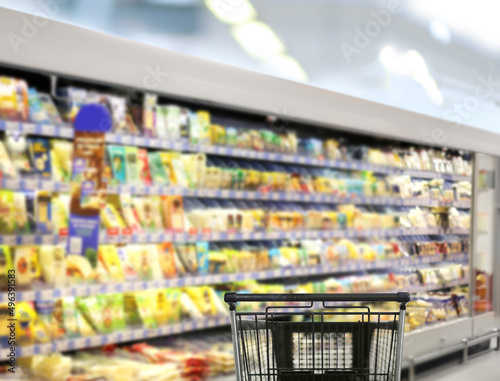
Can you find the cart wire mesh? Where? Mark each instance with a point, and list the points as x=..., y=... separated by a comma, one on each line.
x=322, y=346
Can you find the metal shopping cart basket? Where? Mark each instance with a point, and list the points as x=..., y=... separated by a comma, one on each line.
x=298, y=344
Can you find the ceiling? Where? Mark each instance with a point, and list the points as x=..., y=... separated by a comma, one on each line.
x=425, y=56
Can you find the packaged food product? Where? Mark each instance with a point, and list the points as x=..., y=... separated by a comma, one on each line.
x=174, y=122
x=203, y=299
x=189, y=308
x=111, y=218
x=14, y=99
x=7, y=167
x=37, y=112
x=130, y=213
x=144, y=173
x=109, y=258
x=194, y=128
x=144, y=259
x=166, y=255
x=29, y=330
x=79, y=269
x=117, y=158
x=129, y=272
x=159, y=173
x=132, y=166
x=26, y=264
x=17, y=146
x=91, y=308
x=147, y=209
x=50, y=109
x=20, y=214
x=70, y=318
x=149, y=108
x=188, y=256
x=61, y=155
x=145, y=303
x=43, y=212
x=59, y=205
x=39, y=150
x=202, y=253
x=173, y=212
x=7, y=225
x=53, y=264
x=114, y=310
x=5, y=266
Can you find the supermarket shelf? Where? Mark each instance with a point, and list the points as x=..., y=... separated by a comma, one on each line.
x=435, y=326
x=140, y=334
x=117, y=337
x=342, y=267
x=435, y=287
x=33, y=184
x=415, y=289
x=116, y=237
x=183, y=145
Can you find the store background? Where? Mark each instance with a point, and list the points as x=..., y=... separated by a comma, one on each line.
x=430, y=56
x=426, y=59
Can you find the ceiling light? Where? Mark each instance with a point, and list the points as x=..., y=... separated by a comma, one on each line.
x=440, y=31
x=258, y=40
x=475, y=21
x=232, y=12
x=413, y=65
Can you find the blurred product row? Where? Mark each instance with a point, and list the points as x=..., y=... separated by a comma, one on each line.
x=73, y=317
x=39, y=267
x=19, y=102
x=44, y=212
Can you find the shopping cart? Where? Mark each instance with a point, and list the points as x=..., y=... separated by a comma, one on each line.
x=342, y=342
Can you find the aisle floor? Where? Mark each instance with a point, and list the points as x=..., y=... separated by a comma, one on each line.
x=484, y=367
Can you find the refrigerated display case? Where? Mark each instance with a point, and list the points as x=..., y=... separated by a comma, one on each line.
x=353, y=195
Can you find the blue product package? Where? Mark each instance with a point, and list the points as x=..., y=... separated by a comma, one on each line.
x=39, y=149
x=203, y=256
x=117, y=158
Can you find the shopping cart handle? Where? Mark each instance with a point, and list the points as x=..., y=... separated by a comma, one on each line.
x=400, y=297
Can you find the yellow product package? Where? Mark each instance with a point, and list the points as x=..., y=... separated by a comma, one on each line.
x=202, y=298
x=111, y=218
x=109, y=258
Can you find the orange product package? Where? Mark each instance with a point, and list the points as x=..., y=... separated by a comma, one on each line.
x=173, y=212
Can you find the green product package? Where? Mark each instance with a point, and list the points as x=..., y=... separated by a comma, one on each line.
x=173, y=298
x=132, y=167
x=158, y=171
x=231, y=136
x=113, y=312
x=173, y=119
x=130, y=308
x=145, y=308
x=117, y=159
x=70, y=318
x=91, y=308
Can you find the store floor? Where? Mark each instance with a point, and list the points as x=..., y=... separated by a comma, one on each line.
x=484, y=367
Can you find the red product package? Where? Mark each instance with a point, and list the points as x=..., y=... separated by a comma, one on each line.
x=144, y=165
